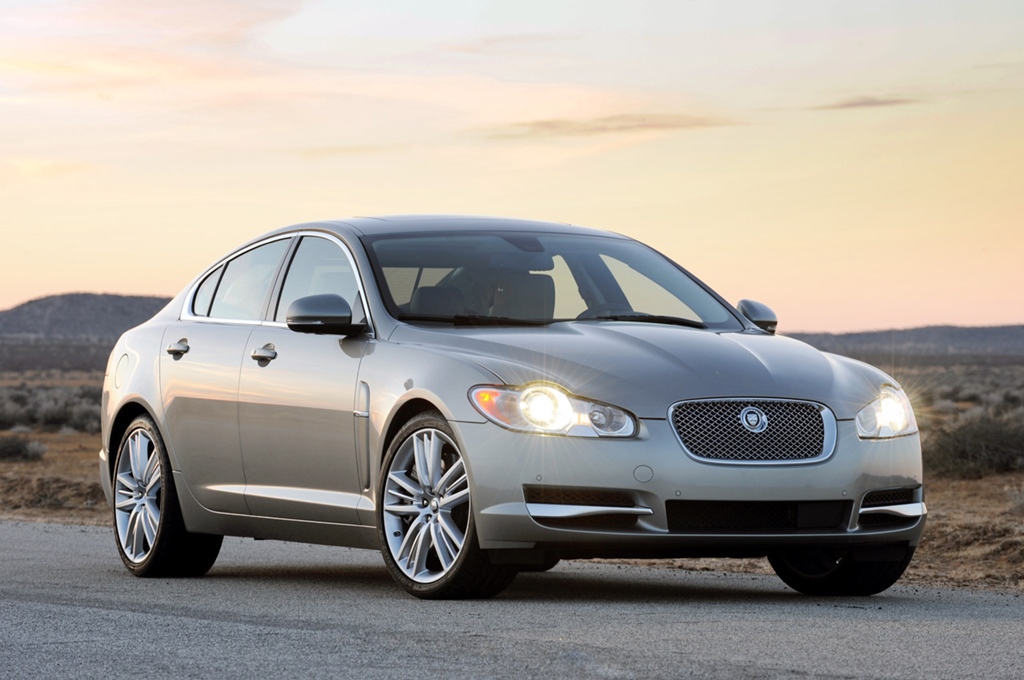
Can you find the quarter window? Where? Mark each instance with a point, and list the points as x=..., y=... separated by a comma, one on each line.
x=204, y=294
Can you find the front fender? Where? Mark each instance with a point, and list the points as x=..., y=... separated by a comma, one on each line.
x=400, y=380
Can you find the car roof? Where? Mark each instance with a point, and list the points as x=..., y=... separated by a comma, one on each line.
x=401, y=224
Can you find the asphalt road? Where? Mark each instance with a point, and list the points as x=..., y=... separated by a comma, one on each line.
x=68, y=609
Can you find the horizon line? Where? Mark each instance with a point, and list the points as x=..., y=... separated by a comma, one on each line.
x=786, y=333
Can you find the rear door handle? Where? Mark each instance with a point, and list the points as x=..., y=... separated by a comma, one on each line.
x=265, y=353
x=179, y=348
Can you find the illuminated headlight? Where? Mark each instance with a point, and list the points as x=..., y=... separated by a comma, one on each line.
x=890, y=415
x=547, y=409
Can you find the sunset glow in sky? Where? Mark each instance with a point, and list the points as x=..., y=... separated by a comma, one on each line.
x=855, y=165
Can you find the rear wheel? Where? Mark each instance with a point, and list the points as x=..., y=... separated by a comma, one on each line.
x=425, y=519
x=832, y=571
x=151, y=535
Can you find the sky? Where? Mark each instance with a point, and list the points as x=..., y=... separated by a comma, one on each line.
x=853, y=165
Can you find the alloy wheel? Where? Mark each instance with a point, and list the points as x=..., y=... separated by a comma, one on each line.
x=137, y=488
x=426, y=505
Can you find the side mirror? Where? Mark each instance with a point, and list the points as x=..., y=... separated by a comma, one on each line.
x=759, y=314
x=325, y=314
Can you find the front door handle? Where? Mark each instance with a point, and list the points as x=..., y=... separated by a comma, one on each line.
x=179, y=348
x=265, y=353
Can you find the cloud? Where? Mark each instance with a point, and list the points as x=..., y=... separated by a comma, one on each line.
x=196, y=22
x=119, y=44
x=77, y=68
x=321, y=152
x=506, y=44
x=1000, y=65
x=605, y=125
x=865, y=103
x=40, y=168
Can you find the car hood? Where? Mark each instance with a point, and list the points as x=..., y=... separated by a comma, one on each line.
x=645, y=368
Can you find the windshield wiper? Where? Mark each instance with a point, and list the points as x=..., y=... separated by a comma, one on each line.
x=650, y=318
x=476, y=320
x=481, y=320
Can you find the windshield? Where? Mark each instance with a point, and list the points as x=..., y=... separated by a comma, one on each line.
x=517, y=278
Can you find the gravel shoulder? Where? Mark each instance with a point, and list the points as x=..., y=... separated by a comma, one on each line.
x=974, y=537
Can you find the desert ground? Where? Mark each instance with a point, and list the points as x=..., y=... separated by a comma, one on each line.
x=974, y=537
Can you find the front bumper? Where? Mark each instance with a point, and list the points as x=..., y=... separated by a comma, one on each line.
x=589, y=497
x=105, y=481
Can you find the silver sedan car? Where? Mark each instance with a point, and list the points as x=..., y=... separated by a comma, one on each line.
x=476, y=397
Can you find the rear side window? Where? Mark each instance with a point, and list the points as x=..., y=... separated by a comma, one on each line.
x=246, y=281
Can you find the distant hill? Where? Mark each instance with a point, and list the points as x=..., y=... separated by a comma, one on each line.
x=930, y=341
x=37, y=334
x=73, y=332
x=81, y=317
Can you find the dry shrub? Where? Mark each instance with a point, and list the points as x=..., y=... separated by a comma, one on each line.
x=13, y=447
x=51, y=407
x=1016, y=500
x=977, y=446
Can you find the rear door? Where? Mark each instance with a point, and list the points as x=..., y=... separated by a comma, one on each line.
x=199, y=371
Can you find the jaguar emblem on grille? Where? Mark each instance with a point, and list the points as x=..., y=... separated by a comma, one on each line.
x=754, y=419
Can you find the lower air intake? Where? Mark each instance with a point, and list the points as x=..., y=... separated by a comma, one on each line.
x=877, y=499
x=751, y=517
x=576, y=495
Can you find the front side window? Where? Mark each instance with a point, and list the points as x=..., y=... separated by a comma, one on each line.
x=246, y=281
x=536, y=277
x=319, y=266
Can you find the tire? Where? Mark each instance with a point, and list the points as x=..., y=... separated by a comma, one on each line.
x=150, y=532
x=828, y=571
x=425, y=519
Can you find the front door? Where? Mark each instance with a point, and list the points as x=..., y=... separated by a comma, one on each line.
x=296, y=425
x=296, y=400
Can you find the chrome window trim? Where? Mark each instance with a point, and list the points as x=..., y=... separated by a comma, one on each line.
x=186, y=311
x=186, y=308
x=829, y=439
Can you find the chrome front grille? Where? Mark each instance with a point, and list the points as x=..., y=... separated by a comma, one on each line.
x=755, y=431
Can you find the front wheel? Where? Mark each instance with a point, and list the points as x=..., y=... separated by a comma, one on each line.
x=829, y=571
x=425, y=519
x=151, y=535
